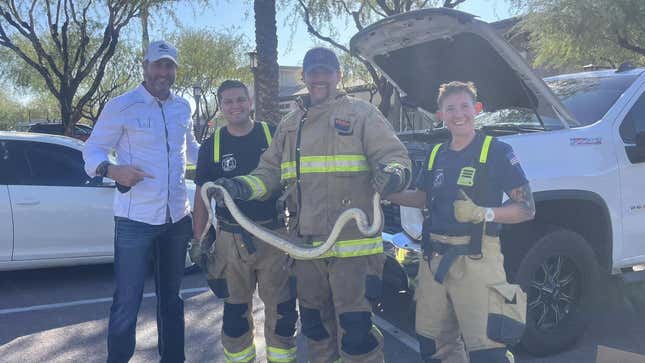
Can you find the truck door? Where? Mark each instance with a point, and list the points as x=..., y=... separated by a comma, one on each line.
x=631, y=161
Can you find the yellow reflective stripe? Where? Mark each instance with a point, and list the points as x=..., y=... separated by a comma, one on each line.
x=483, y=155
x=288, y=170
x=267, y=132
x=244, y=356
x=216, y=145
x=354, y=247
x=258, y=189
x=190, y=167
x=281, y=355
x=433, y=155
x=325, y=164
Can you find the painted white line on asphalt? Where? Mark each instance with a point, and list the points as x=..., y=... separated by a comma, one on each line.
x=87, y=302
x=397, y=333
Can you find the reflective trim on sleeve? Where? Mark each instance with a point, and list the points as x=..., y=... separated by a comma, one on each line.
x=267, y=132
x=354, y=247
x=483, y=155
x=288, y=170
x=280, y=355
x=216, y=145
x=245, y=356
x=258, y=189
x=433, y=155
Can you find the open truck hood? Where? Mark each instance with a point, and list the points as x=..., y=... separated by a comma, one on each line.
x=419, y=50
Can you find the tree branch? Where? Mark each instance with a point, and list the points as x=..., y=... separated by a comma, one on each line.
x=623, y=42
x=452, y=3
x=383, y=4
x=314, y=32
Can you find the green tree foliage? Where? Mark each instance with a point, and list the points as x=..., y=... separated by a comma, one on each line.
x=66, y=42
x=579, y=32
x=319, y=17
x=207, y=58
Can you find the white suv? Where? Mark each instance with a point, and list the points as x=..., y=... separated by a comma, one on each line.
x=51, y=212
x=581, y=141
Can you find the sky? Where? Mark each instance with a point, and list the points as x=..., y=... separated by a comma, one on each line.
x=237, y=15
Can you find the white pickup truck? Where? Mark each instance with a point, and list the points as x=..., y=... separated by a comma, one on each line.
x=580, y=139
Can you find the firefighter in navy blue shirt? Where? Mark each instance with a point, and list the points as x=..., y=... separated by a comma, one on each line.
x=466, y=310
x=237, y=262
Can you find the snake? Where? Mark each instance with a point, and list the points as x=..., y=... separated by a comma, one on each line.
x=295, y=250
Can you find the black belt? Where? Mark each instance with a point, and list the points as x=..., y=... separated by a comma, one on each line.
x=247, y=238
x=449, y=252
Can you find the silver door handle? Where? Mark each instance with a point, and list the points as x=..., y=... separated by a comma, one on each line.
x=29, y=202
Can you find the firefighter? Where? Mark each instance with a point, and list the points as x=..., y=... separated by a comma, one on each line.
x=238, y=261
x=465, y=308
x=332, y=154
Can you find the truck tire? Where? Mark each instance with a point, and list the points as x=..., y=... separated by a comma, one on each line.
x=559, y=274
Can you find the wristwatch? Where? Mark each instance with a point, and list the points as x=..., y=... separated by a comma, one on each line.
x=489, y=216
x=102, y=169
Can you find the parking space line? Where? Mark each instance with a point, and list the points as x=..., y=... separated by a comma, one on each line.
x=87, y=302
x=397, y=333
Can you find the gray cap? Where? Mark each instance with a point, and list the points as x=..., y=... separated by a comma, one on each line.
x=320, y=57
x=161, y=49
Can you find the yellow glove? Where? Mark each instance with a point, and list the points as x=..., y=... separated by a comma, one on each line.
x=466, y=211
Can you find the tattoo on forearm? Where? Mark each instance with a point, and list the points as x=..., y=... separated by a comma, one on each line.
x=524, y=198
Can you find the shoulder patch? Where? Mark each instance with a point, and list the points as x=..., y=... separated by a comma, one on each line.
x=343, y=127
x=512, y=158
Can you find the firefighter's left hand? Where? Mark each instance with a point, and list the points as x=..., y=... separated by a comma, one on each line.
x=466, y=211
x=391, y=178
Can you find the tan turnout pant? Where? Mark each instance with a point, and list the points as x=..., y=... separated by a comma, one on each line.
x=469, y=311
x=335, y=296
x=233, y=276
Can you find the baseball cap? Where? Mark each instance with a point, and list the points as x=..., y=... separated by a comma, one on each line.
x=320, y=57
x=161, y=49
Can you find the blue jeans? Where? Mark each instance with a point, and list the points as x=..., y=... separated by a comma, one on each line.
x=135, y=244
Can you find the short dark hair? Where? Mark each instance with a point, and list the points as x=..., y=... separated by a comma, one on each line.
x=453, y=87
x=229, y=84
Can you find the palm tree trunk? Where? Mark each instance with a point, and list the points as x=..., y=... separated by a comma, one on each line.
x=267, y=73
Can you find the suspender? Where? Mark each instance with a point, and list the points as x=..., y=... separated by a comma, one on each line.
x=217, y=142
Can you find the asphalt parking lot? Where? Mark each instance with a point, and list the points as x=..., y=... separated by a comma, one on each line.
x=60, y=315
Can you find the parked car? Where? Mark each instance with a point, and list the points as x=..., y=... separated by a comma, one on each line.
x=580, y=138
x=81, y=132
x=51, y=212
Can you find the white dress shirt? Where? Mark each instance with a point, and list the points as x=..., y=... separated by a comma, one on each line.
x=155, y=136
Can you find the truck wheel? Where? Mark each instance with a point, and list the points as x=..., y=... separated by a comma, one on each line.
x=559, y=274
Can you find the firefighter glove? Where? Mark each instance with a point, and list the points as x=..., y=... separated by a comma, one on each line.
x=466, y=211
x=198, y=254
x=391, y=178
x=236, y=188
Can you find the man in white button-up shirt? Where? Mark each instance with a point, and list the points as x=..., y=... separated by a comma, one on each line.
x=150, y=130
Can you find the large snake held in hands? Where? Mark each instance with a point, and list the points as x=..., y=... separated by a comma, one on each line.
x=277, y=241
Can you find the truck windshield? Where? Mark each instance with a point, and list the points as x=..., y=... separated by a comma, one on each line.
x=587, y=98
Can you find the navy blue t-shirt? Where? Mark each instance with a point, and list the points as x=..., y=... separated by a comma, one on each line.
x=504, y=172
x=239, y=155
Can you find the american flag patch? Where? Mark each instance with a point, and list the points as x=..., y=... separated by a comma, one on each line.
x=512, y=158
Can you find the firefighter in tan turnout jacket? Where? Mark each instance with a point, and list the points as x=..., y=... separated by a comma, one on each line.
x=330, y=155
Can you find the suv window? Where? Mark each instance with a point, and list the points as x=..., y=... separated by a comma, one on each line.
x=40, y=163
x=635, y=120
x=589, y=98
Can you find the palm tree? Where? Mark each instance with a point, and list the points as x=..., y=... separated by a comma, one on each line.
x=267, y=73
